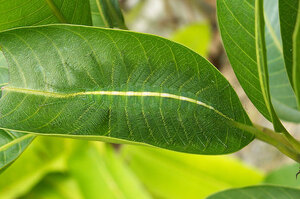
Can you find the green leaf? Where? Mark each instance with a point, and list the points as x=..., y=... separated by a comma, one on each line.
x=12, y=144
x=259, y=192
x=173, y=175
x=27, y=13
x=4, y=76
x=118, y=86
x=37, y=12
x=44, y=155
x=100, y=173
x=285, y=176
x=94, y=171
x=242, y=29
x=288, y=15
x=107, y=13
x=282, y=93
x=286, y=113
x=296, y=58
x=195, y=36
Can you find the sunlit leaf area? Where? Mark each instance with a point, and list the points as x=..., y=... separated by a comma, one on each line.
x=149, y=99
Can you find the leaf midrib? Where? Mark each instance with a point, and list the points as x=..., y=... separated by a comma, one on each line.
x=15, y=141
x=115, y=93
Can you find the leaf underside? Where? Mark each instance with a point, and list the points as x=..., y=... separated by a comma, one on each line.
x=240, y=46
x=238, y=25
x=261, y=56
x=118, y=86
x=282, y=93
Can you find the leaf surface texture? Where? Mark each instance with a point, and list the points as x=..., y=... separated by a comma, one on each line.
x=28, y=13
x=118, y=86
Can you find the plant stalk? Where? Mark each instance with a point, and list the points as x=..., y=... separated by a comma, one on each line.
x=284, y=142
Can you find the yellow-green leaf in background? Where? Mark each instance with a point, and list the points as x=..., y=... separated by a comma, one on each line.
x=70, y=169
x=173, y=175
x=100, y=173
x=43, y=156
x=196, y=36
x=55, y=186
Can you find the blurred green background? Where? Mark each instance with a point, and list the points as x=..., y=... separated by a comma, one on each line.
x=59, y=168
x=70, y=169
x=54, y=168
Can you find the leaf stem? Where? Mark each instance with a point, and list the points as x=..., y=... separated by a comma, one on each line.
x=284, y=142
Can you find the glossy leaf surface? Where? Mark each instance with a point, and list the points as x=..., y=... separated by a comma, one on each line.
x=118, y=86
x=259, y=192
